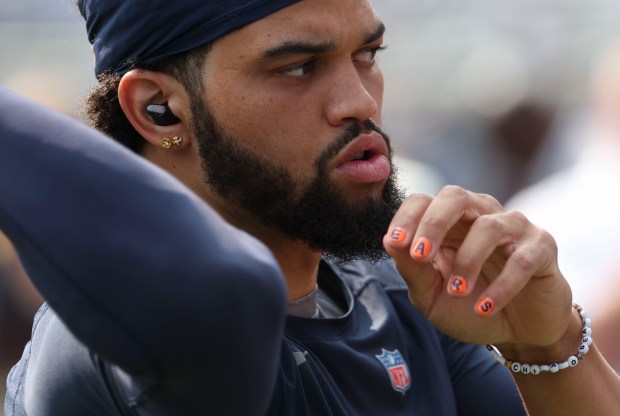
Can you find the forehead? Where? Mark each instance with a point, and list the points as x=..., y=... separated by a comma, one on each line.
x=335, y=21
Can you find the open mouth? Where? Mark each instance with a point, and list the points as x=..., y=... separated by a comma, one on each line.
x=362, y=155
x=365, y=160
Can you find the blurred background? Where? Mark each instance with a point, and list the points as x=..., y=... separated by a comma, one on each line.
x=492, y=95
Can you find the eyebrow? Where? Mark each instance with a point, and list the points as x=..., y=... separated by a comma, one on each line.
x=290, y=48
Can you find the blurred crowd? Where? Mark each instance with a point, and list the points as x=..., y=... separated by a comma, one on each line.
x=518, y=99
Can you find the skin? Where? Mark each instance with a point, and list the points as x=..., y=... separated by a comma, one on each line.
x=290, y=107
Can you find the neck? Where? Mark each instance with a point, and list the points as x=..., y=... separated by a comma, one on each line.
x=298, y=262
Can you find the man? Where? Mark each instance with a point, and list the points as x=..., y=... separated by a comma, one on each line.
x=270, y=112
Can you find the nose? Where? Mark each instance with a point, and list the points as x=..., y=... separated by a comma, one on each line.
x=353, y=95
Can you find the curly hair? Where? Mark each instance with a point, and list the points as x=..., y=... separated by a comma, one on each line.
x=102, y=107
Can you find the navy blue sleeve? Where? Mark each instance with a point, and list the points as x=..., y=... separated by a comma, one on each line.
x=139, y=268
x=481, y=385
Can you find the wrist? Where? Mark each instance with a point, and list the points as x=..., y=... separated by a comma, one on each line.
x=565, y=352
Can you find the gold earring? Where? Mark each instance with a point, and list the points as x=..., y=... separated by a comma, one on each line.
x=167, y=143
x=176, y=141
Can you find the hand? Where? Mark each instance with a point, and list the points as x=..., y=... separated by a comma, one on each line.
x=479, y=273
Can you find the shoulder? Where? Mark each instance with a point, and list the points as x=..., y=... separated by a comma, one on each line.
x=14, y=398
x=56, y=374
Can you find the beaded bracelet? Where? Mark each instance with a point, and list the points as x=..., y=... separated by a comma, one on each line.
x=571, y=361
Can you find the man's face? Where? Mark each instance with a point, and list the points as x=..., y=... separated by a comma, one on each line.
x=287, y=135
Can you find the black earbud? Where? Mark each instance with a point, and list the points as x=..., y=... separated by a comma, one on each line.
x=162, y=115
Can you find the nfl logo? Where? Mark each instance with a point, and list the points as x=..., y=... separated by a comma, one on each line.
x=396, y=368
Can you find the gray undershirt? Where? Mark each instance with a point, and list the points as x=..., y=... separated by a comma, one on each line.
x=316, y=304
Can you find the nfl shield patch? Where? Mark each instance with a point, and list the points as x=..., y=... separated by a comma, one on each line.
x=397, y=369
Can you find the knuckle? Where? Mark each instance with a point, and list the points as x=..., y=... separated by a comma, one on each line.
x=420, y=198
x=545, y=239
x=490, y=223
x=519, y=218
x=455, y=190
x=431, y=222
x=489, y=199
x=525, y=259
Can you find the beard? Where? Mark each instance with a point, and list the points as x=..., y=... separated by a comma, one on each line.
x=315, y=213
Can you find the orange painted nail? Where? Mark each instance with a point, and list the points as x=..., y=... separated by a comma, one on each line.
x=458, y=284
x=485, y=306
x=421, y=249
x=398, y=234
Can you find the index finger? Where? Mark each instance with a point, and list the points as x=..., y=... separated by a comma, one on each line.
x=452, y=205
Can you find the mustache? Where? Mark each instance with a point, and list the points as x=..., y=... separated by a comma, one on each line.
x=347, y=137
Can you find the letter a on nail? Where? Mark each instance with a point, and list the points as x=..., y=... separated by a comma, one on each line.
x=422, y=248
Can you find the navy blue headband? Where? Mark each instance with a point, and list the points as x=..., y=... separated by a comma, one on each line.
x=122, y=31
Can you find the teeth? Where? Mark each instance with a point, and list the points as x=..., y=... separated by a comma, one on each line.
x=358, y=156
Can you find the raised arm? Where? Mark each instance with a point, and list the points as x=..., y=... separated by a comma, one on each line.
x=139, y=269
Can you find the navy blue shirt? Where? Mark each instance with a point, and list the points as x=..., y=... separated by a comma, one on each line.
x=156, y=306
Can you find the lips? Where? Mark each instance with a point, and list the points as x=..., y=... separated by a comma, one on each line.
x=365, y=160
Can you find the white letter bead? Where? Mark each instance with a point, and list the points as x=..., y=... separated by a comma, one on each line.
x=572, y=361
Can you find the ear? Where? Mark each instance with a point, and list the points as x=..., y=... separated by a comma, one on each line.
x=140, y=88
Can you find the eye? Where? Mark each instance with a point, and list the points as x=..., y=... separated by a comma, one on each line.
x=300, y=70
x=368, y=55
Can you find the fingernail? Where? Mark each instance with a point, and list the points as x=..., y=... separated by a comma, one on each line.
x=421, y=249
x=398, y=234
x=485, y=306
x=458, y=284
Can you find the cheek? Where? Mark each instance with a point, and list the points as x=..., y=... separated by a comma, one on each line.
x=282, y=131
